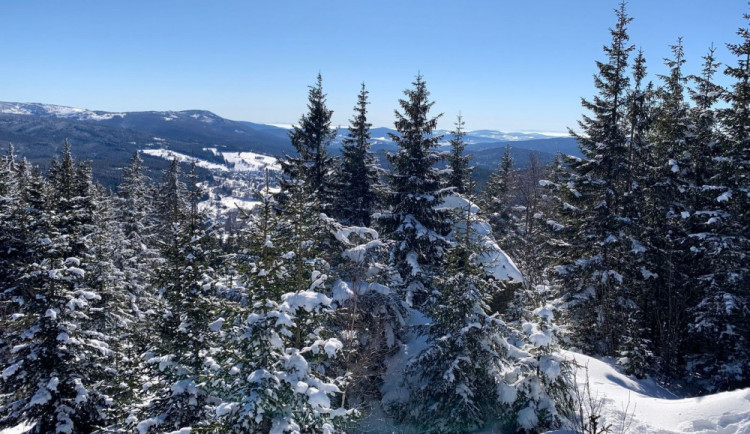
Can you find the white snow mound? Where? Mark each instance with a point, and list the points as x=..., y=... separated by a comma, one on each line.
x=656, y=410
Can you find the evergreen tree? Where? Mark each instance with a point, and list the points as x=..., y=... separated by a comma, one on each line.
x=414, y=222
x=190, y=318
x=357, y=195
x=496, y=198
x=279, y=347
x=723, y=315
x=10, y=205
x=637, y=348
x=664, y=205
x=476, y=370
x=171, y=199
x=54, y=379
x=601, y=238
x=311, y=138
x=458, y=163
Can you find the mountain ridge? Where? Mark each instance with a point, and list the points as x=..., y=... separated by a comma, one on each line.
x=38, y=130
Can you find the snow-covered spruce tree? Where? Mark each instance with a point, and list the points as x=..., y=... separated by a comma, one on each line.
x=413, y=222
x=181, y=356
x=134, y=255
x=599, y=265
x=171, y=200
x=707, y=343
x=496, y=198
x=637, y=349
x=458, y=163
x=277, y=378
x=663, y=196
x=452, y=384
x=10, y=205
x=55, y=377
x=311, y=138
x=723, y=313
x=357, y=185
x=477, y=371
x=11, y=237
x=370, y=315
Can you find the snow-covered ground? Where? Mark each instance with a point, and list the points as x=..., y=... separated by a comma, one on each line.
x=251, y=162
x=627, y=404
x=169, y=155
x=227, y=203
x=652, y=409
x=235, y=161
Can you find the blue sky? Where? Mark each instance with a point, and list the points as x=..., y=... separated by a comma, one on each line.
x=507, y=65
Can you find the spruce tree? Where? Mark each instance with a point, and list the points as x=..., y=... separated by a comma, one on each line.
x=357, y=186
x=601, y=237
x=728, y=223
x=54, y=379
x=458, y=163
x=664, y=207
x=279, y=347
x=190, y=317
x=415, y=222
x=311, y=138
x=496, y=198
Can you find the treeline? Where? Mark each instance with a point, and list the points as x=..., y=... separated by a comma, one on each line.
x=137, y=310
x=644, y=243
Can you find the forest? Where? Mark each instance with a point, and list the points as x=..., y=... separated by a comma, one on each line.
x=135, y=310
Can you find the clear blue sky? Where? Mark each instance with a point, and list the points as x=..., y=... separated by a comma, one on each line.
x=508, y=65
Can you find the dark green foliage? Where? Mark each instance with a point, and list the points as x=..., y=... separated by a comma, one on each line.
x=601, y=244
x=496, y=198
x=311, y=138
x=458, y=163
x=357, y=183
x=414, y=223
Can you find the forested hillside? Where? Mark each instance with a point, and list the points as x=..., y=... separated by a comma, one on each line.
x=348, y=290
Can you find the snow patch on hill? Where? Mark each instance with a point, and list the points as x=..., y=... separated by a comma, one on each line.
x=251, y=162
x=182, y=158
x=235, y=161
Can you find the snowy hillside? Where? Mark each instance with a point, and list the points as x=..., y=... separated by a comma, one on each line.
x=648, y=408
x=234, y=161
x=55, y=111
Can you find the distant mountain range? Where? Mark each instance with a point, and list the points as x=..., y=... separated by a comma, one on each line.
x=109, y=139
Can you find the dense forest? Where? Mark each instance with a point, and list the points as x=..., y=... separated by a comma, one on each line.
x=136, y=310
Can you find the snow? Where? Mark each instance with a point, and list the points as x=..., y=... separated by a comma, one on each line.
x=251, y=162
x=76, y=272
x=216, y=325
x=172, y=155
x=318, y=398
x=226, y=408
x=228, y=203
x=724, y=196
x=456, y=202
x=307, y=300
x=56, y=111
x=21, y=428
x=414, y=343
x=527, y=418
x=656, y=410
x=11, y=370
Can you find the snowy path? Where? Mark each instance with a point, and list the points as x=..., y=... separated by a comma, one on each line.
x=656, y=410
